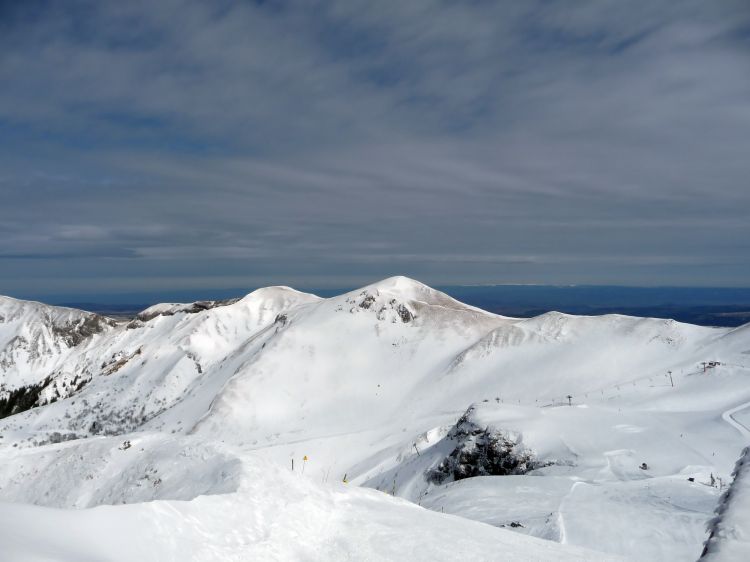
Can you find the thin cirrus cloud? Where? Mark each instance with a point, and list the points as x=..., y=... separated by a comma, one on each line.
x=312, y=143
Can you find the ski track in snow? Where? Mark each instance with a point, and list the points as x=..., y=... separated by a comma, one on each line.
x=728, y=416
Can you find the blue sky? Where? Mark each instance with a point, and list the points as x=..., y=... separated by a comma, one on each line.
x=172, y=145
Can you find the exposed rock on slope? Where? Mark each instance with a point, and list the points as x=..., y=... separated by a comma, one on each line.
x=33, y=335
x=482, y=450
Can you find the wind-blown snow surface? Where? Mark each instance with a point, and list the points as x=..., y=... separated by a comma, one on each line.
x=730, y=530
x=211, y=403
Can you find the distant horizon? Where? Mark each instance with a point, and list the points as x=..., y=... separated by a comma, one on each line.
x=153, y=297
x=710, y=306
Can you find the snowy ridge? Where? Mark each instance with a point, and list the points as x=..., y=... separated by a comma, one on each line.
x=729, y=531
x=574, y=424
x=36, y=340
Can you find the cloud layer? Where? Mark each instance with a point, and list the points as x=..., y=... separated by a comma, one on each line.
x=317, y=143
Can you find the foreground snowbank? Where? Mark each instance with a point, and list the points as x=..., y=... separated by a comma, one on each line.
x=276, y=515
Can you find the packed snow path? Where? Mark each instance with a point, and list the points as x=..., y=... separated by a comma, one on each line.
x=728, y=417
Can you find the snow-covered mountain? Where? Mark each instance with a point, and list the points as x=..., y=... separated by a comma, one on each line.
x=36, y=340
x=594, y=433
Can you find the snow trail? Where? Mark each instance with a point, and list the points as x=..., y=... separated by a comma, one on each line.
x=728, y=416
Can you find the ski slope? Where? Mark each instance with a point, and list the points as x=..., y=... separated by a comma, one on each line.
x=397, y=390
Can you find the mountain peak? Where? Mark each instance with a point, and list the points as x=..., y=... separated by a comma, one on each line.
x=401, y=286
x=279, y=292
x=405, y=289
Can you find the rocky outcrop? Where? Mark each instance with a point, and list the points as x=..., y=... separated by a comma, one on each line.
x=76, y=332
x=481, y=451
x=385, y=308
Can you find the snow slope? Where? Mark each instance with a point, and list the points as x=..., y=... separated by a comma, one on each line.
x=273, y=516
x=396, y=387
x=729, y=537
x=35, y=339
